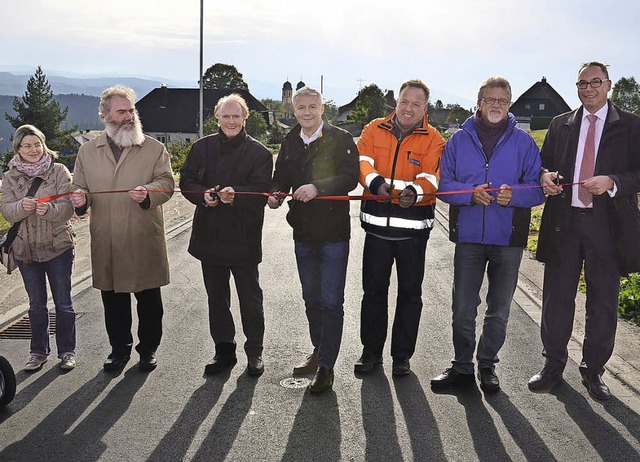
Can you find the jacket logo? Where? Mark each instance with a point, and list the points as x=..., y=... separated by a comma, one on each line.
x=414, y=162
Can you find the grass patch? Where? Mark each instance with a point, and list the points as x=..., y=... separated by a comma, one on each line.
x=538, y=136
x=4, y=224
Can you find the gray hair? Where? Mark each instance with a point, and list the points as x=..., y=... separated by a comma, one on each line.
x=27, y=130
x=306, y=91
x=116, y=90
x=494, y=82
x=235, y=98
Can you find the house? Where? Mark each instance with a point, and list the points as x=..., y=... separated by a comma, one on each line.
x=171, y=114
x=345, y=111
x=84, y=136
x=538, y=105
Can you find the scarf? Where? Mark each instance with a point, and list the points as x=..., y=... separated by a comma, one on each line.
x=33, y=169
x=489, y=134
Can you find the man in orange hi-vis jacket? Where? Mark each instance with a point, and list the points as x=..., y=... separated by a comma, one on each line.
x=400, y=160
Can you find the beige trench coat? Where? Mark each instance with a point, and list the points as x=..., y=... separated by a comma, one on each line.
x=128, y=246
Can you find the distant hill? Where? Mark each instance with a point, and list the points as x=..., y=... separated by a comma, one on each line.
x=81, y=95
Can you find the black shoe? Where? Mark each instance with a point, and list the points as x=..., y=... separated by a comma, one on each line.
x=323, y=380
x=367, y=362
x=148, y=362
x=308, y=366
x=219, y=363
x=545, y=380
x=115, y=361
x=451, y=377
x=255, y=366
x=595, y=386
x=400, y=367
x=488, y=379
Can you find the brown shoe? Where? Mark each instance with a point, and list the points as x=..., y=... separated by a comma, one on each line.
x=323, y=380
x=255, y=366
x=595, y=386
x=545, y=380
x=308, y=366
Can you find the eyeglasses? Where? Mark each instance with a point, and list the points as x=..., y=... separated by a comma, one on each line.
x=29, y=146
x=595, y=83
x=492, y=101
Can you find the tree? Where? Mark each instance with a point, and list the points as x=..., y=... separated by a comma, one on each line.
x=210, y=126
x=273, y=105
x=626, y=94
x=179, y=151
x=330, y=111
x=38, y=107
x=276, y=134
x=224, y=76
x=370, y=105
x=458, y=114
x=255, y=125
x=439, y=104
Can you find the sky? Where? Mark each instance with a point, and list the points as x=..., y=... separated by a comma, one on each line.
x=451, y=45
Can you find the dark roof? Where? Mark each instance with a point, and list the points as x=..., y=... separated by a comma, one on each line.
x=540, y=92
x=287, y=86
x=175, y=110
x=389, y=100
x=300, y=85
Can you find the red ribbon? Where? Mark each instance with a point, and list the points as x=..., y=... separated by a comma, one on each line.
x=332, y=198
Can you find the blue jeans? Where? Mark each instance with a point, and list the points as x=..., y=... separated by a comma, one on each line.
x=322, y=267
x=377, y=262
x=35, y=275
x=502, y=265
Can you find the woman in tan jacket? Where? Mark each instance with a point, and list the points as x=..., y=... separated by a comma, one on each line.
x=43, y=247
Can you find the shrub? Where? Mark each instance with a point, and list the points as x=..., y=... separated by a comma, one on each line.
x=629, y=300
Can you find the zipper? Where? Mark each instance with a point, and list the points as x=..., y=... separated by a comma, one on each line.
x=393, y=174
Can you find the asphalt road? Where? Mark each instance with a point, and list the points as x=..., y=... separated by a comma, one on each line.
x=176, y=413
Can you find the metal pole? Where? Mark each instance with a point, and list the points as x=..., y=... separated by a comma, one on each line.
x=200, y=79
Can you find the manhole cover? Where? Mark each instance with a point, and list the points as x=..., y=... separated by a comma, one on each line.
x=295, y=382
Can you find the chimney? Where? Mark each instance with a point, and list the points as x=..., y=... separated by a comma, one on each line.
x=164, y=96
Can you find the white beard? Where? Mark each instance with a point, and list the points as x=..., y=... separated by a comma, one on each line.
x=123, y=137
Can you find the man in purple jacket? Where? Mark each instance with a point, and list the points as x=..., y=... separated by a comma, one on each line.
x=490, y=227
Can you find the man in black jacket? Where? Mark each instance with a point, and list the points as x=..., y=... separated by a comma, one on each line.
x=317, y=159
x=227, y=228
x=594, y=221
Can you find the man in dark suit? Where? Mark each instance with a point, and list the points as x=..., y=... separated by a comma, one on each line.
x=594, y=221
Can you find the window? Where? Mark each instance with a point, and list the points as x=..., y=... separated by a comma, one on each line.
x=527, y=107
x=541, y=106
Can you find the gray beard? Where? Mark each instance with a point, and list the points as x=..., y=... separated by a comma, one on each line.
x=125, y=138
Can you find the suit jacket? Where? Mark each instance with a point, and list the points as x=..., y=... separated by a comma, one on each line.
x=619, y=158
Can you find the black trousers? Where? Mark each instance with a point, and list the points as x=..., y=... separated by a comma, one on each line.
x=588, y=241
x=221, y=326
x=117, y=316
x=377, y=263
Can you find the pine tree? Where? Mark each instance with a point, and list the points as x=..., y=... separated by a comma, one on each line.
x=38, y=107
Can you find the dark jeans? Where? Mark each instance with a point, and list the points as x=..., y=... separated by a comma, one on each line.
x=221, y=326
x=35, y=275
x=117, y=316
x=322, y=267
x=379, y=255
x=587, y=241
x=470, y=262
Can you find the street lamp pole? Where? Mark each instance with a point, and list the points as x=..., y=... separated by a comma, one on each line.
x=200, y=79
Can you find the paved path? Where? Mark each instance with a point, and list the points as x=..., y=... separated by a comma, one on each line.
x=177, y=413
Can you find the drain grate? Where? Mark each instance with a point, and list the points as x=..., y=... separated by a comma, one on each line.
x=295, y=382
x=21, y=329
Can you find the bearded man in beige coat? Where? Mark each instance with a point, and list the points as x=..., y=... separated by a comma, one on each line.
x=128, y=247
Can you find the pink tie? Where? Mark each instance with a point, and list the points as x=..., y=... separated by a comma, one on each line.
x=588, y=160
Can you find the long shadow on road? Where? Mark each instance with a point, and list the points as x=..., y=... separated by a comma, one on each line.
x=315, y=434
x=175, y=444
x=84, y=442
